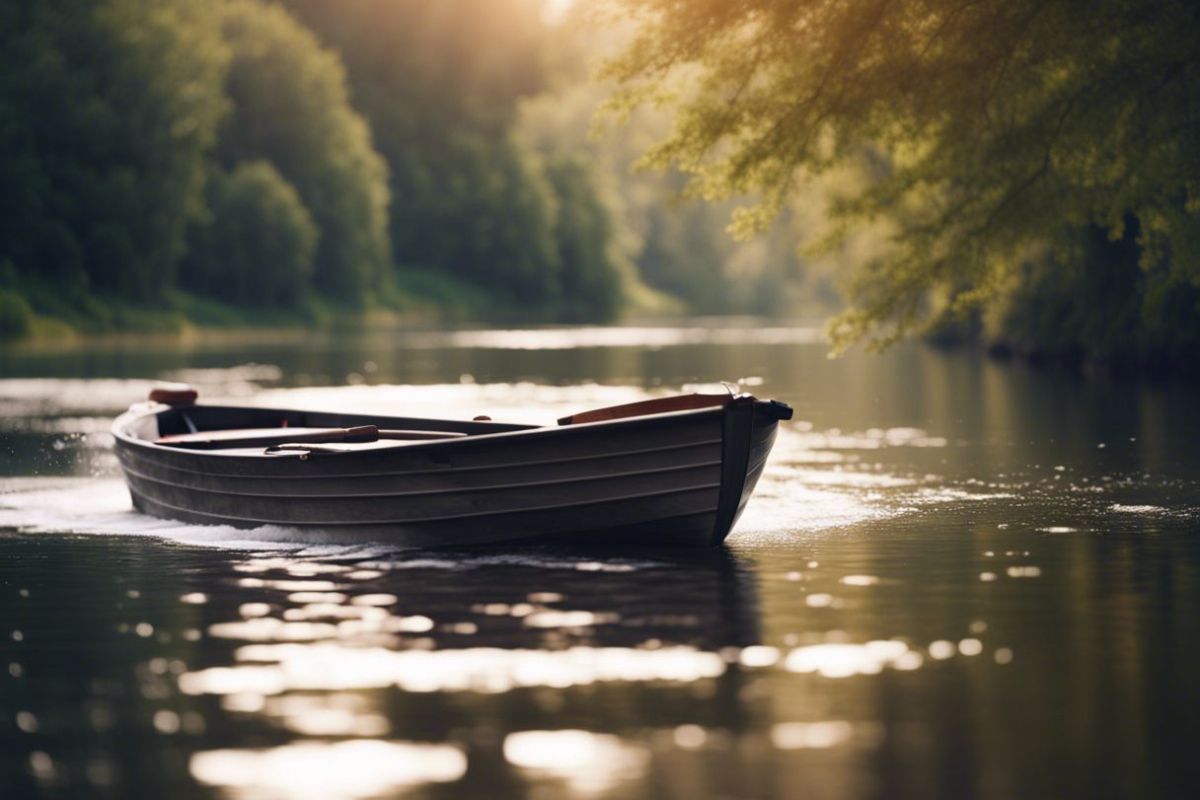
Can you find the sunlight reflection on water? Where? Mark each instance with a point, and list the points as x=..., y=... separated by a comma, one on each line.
x=890, y=552
x=588, y=763
x=625, y=336
x=350, y=769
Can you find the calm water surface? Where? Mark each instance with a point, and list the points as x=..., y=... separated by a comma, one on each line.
x=957, y=579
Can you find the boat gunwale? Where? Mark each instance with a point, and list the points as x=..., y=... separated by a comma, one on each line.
x=533, y=431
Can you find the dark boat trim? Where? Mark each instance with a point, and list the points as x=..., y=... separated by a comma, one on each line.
x=150, y=447
x=447, y=517
x=435, y=492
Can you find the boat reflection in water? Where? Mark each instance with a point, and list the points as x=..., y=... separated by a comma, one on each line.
x=364, y=679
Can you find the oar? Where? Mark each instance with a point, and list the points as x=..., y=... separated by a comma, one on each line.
x=270, y=437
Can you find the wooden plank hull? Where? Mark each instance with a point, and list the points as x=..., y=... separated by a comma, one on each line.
x=669, y=478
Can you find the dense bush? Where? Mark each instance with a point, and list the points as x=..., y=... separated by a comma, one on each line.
x=439, y=83
x=16, y=317
x=591, y=269
x=258, y=244
x=1095, y=301
x=107, y=111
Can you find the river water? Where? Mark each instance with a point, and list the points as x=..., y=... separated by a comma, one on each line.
x=958, y=578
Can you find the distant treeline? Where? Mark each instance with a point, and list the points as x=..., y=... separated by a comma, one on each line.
x=189, y=156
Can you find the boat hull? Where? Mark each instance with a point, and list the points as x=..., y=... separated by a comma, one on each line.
x=670, y=478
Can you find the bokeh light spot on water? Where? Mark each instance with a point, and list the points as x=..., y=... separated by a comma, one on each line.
x=316, y=597
x=254, y=609
x=759, y=656
x=588, y=763
x=844, y=660
x=810, y=735
x=378, y=599
x=690, y=737
x=42, y=766
x=278, y=667
x=569, y=619
x=970, y=647
x=166, y=721
x=339, y=770
x=942, y=649
x=1135, y=509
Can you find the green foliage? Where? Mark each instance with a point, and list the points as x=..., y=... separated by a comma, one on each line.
x=107, y=108
x=998, y=130
x=1093, y=300
x=491, y=222
x=425, y=290
x=439, y=83
x=290, y=106
x=258, y=247
x=675, y=245
x=16, y=317
x=583, y=229
x=163, y=159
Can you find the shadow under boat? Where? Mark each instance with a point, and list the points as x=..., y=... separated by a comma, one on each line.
x=537, y=596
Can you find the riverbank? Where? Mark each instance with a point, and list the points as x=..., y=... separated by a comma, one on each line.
x=1136, y=359
x=37, y=314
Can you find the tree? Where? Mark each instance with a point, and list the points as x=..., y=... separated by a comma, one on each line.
x=258, y=245
x=592, y=277
x=107, y=110
x=290, y=107
x=439, y=83
x=995, y=133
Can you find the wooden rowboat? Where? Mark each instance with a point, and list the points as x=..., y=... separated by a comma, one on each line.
x=670, y=470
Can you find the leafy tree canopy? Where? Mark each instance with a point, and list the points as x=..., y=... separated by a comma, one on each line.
x=291, y=107
x=439, y=83
x=258, y=245
x=992, y=131
x=107, y=110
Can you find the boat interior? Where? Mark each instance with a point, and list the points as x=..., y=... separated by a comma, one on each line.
x=259, y=431
x=224, y=428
